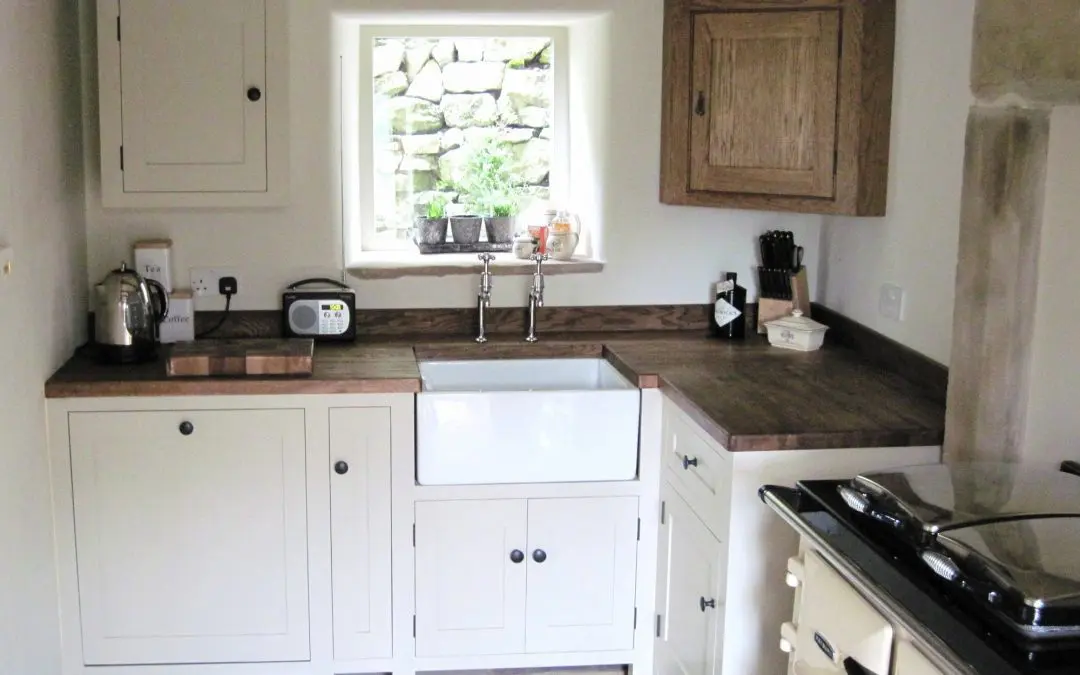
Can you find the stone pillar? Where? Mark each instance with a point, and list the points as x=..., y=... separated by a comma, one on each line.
x=997, y=275
x=1024, y=60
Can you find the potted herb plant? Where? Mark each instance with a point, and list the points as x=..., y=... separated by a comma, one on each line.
x=500, y=224
x=492, y=189
x=431, y=226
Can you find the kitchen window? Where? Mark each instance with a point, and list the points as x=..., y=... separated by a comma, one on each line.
x=472, y=119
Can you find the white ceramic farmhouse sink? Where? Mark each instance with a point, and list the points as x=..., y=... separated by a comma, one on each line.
x=525, y=421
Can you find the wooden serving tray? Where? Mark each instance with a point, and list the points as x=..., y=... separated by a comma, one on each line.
x=215, y=358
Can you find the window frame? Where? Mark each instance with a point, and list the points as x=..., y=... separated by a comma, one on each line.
x=357, y=131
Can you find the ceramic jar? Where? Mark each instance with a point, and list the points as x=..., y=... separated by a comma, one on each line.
x=796, y=332
x=524, y=246
x=561, y=245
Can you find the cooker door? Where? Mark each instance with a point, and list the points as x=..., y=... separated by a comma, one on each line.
x=837, y=631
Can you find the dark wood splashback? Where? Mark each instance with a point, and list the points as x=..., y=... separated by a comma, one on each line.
x=454, y=322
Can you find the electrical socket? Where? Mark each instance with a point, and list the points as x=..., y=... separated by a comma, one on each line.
x=204, y=280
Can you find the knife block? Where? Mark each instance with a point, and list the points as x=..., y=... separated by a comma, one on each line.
x=770, y=309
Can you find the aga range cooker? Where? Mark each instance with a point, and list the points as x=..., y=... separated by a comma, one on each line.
x=963, y=569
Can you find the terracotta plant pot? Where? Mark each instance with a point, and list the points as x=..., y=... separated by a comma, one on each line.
x=431, y=230
x=466, y=229
x=500, y=230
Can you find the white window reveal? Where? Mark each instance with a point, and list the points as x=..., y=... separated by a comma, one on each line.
x=456, y=120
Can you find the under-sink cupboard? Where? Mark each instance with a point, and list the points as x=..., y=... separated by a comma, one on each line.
x=288, y=535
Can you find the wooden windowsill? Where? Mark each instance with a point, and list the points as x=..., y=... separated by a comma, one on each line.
x=398, y=264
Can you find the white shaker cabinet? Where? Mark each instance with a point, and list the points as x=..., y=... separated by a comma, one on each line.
x=191, y=531
x=909, y=660
x=525, y=576
x=689, y=592
x=470, y=577
x=581, y=596
x=360, y=532
x=193, y=102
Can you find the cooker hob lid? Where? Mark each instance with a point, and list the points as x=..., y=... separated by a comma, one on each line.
x=938, y=497
x=1026, y=570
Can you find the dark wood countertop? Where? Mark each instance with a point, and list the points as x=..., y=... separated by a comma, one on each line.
x=747, y=395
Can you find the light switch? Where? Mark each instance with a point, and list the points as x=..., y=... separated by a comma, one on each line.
x=891, y=302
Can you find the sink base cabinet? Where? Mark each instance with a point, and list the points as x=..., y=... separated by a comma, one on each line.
x=516, y=576
x=192, y=535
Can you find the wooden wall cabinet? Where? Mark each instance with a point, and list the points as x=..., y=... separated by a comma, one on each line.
x=778, y=105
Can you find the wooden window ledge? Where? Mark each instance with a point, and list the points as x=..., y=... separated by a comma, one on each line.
x=398, y=264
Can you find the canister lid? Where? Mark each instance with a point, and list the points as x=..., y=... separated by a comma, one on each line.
x=798, y=322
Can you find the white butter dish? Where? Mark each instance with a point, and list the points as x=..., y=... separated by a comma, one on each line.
x=796, y=332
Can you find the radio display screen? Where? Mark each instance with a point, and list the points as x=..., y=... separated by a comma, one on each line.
x=336, y=307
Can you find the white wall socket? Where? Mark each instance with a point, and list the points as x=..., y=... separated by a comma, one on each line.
x=891, y=302
x=204, y=280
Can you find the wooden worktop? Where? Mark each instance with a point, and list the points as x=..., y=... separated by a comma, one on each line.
x=747, y=395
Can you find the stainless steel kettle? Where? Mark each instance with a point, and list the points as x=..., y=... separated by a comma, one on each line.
x=128, y=311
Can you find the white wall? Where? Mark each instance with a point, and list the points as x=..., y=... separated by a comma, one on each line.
x=1052, y=425
x=42, y=306
x=915, y=245
x=654, y=253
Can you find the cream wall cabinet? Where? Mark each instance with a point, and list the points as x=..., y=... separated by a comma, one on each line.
x=193, y=100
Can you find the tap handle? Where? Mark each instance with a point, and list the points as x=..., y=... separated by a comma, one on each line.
x=486, y=258
x=539, y=259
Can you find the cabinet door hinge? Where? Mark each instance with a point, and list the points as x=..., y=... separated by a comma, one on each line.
x=414, y=535
x=118, y=28
x=639, y=529
x=663, y=512
x=414, y=625
x=121, y=158
x=659, y=624
x=635, y=617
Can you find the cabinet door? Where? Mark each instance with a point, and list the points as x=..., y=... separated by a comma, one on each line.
x=763, y=118
x=191, y=532
x=690, y=630
x=582, y=562
x=193, y=81
x=360, y=532
x=470, y=594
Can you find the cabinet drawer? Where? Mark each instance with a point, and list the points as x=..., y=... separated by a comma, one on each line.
x=698, y=469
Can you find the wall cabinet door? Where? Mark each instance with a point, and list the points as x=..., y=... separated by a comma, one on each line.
x=582, y=563
x=470, y=592
x=765, y=108
x=360, y=532
x=690, y=600
x=191, y=536
x=783, y=109
x=193, y=81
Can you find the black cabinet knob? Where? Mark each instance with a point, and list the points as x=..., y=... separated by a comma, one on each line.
x=254, y=94
x=539, y=555
x=707, y=603
x=699, y=109
x=688, y=462
x=187, y=428
x=516, y=556
x=341, y=468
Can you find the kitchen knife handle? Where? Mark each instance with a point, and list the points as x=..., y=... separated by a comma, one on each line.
x=1070, y=466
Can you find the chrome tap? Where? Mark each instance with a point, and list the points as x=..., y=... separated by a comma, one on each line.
x=536, y=295
x=483, y=298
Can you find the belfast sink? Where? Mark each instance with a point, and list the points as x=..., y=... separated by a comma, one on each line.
x=525, y=421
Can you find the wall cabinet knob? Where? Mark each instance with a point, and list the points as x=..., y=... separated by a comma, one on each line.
x=539, y=555
x=516, y=556
x=341, y=468
x=707, y=604
x=688, y=462
x=187, y=428
x=254, y=94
